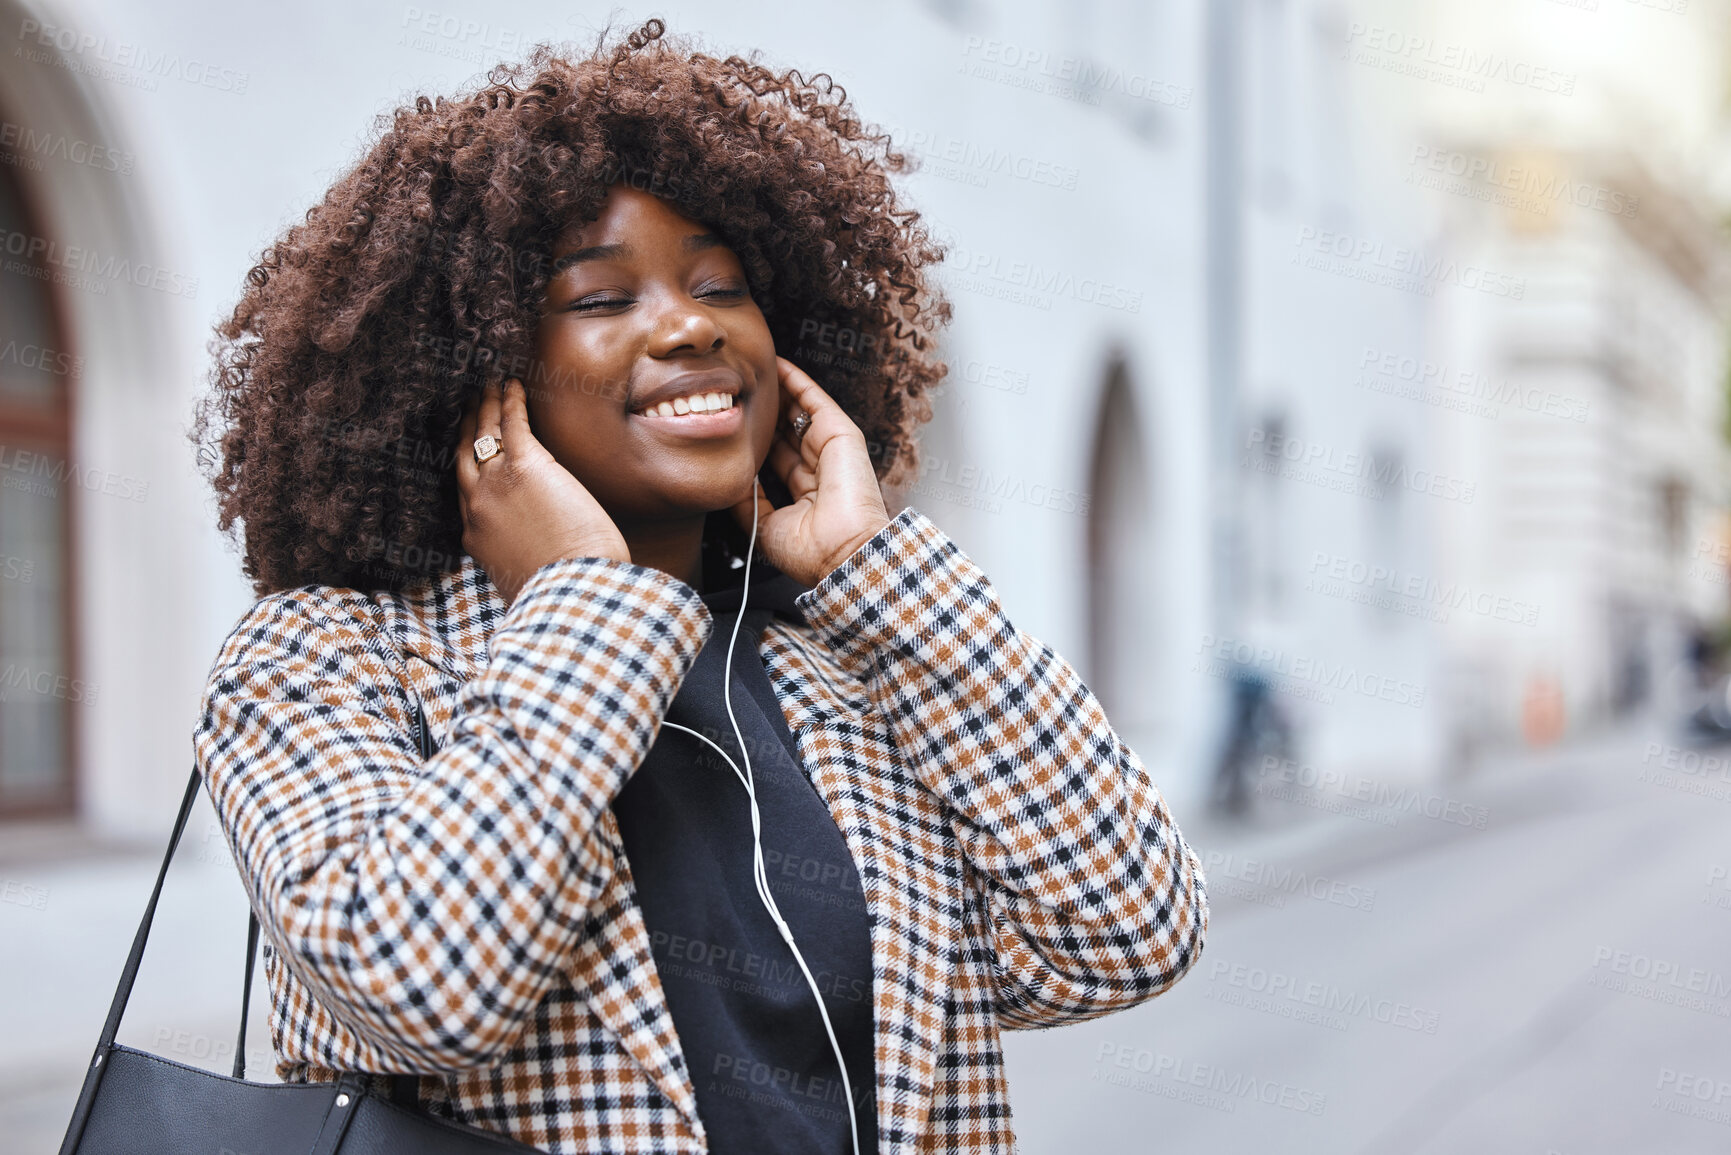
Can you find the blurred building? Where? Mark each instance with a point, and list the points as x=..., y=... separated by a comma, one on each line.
x=1483, y=396
x=1445, y=458
x=1579, y=154
x=1607, y=460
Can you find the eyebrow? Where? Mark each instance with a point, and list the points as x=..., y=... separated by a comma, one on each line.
x=695, y=243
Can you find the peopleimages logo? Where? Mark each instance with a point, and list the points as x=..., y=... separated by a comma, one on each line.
x=1222, y=867
x=1529, y=187
x=1390, y=800
x=1228, y=1087
x=57, y=146
x=1464, y=390
x=1718, y=890
x=1397, y=267
x=87, y=53
x=1333, y=575
x=1026, y=283
x=1300, y=675
x=1690, y=1094
x=479, y=34
x=1686, y=771
x=84, y=264
x=41, y=359
x=991, y=487
x=1327, y=998
x=1455, y=65
x=1661, y=980
x=45, y=684
x=969, y=162
x=23, y=894
x=732, y=968
x=1349, y=470
x=43, y=474
x=1071, y=77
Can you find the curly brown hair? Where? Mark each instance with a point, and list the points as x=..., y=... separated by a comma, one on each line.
x=340, y=379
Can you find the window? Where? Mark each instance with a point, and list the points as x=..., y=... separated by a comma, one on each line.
x=37, y=689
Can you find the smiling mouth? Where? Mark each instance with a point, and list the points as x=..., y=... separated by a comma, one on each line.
x=696, y=405
x=727, y=419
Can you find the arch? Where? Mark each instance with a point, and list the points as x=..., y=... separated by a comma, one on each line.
x=145, y=569
x=38, y=372
x=1124, y=579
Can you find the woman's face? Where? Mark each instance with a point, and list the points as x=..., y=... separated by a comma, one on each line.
x=646, y=305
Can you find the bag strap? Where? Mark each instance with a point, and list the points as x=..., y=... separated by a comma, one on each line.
x=404, y=1088
x=105, y=1043
x=129, y=975
x=246, y=992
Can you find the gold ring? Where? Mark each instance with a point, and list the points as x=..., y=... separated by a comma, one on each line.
x=486, y=448
x=801, y=422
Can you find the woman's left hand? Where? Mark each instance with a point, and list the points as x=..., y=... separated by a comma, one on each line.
x=837, y=505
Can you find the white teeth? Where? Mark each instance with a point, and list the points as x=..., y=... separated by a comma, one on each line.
x=696, y=403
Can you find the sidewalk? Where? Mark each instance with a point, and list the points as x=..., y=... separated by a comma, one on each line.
x=1492, y=945
x=61, y=954
x=1360, y=818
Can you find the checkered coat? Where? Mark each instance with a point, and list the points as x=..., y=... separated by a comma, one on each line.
x=472, y=917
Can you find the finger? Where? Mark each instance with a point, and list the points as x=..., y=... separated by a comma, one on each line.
x=790, y=466
x=468, y=472
x=514, y=428
x=790, y=408
x=803, y=449
x=490, y=411
x=828, y=419
x=808, y=395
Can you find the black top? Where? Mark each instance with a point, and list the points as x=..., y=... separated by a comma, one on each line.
x=759, y=1059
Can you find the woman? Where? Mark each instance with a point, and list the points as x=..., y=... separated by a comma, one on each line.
x=502, y=421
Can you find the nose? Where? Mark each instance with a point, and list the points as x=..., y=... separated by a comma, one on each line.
x=682, y=326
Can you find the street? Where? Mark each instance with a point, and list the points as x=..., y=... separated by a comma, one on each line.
x=1490, y=999
x=1379, y=979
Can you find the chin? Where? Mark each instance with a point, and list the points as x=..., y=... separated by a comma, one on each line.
x=678, y=501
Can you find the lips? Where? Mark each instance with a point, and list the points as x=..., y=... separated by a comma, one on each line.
x=669, y=396
x=724, y=381
x=725, y=423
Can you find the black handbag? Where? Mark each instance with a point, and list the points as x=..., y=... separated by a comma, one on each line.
x=135, y=1103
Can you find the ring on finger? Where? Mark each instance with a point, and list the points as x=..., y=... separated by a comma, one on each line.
x=487, y=448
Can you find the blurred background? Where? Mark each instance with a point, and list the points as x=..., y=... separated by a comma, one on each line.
x=1340, y=386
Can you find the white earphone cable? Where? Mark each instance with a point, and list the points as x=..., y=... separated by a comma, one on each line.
x=759, y=876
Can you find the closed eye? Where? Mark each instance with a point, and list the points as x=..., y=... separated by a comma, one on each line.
x=590, y=304
x=732, y=289
x=595, y=304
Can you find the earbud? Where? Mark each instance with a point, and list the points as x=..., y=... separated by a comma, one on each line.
x=759, y=876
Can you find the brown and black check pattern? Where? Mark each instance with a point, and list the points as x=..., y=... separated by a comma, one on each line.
x=472, y=917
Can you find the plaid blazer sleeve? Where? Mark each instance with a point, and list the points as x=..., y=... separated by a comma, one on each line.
x=429, y=905
x=1097, y=903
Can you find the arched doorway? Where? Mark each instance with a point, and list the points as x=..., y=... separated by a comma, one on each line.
x=140, y=573
x=1125, y=585
x=38, y=685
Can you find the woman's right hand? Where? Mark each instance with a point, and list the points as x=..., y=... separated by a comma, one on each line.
x=521, y=508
